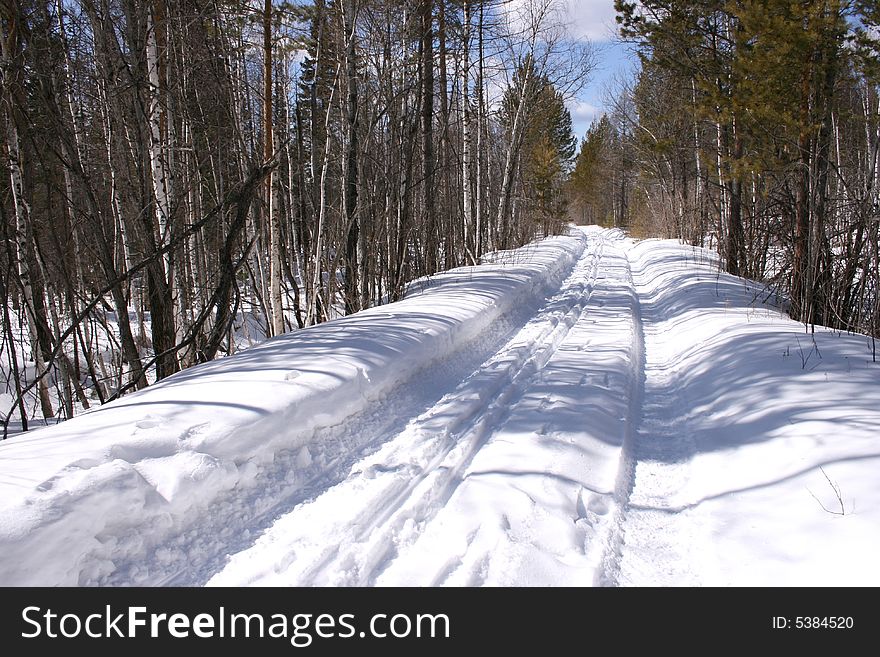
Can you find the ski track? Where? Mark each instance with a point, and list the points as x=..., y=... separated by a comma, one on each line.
x=412, y=475
x=609, y=574
x=237, y=520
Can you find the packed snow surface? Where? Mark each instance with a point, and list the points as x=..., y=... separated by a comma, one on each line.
x=587, y=410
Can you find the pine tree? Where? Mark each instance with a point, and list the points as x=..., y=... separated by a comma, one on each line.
x=548, y=146
x=590, y=184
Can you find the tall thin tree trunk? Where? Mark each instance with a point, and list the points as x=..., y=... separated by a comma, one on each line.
x=431, y=241
x=481, y=142
x=352, y=298
x=275, y=305
x=444, y=146
x=23, y=227
x=511, y=155
x=466, y=140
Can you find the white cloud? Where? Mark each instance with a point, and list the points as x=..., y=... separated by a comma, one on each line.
x=583, y=113
x=592, y=19
x=583, y=19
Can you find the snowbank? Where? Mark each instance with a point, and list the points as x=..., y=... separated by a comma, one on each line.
x=117, y=482
x=760, y=440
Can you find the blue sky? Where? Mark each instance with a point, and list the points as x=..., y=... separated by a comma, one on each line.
x=594, y=20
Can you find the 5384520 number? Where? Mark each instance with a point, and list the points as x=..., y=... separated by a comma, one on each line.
x=823, y=622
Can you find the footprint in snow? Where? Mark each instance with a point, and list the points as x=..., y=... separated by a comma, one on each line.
x=590, y=506
x=148, y=422
x=194, y=432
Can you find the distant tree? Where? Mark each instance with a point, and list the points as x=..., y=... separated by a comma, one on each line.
x=590, y=184
x=548, y=145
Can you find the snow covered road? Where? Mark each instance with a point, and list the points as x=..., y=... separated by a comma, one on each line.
x=587, y=411
x=511, y=478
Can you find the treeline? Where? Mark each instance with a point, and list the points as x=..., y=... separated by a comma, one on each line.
x=171, y=169
x=752, y=126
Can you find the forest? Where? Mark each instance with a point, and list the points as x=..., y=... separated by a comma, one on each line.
x=752, y=127
x=177, y=174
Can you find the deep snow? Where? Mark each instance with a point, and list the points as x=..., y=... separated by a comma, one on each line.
x=588, y=410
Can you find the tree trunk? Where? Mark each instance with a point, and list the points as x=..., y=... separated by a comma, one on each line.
x=512, y=152
x=466, y=131
x=352, y=297
x=275, y=305
x=24, y=234
x=431, y=238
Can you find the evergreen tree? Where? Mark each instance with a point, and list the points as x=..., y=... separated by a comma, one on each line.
x=590, y=184
x=740, y=120
x=548, y=147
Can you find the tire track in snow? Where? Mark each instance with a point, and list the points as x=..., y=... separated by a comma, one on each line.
x=609, y=572
x=412, y=475
x=659, y=548
x=432, y=491
x=537, y=503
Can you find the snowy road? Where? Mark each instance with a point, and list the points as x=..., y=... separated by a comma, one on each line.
x=614, y=440
x=590, y=410
x=514, y=474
